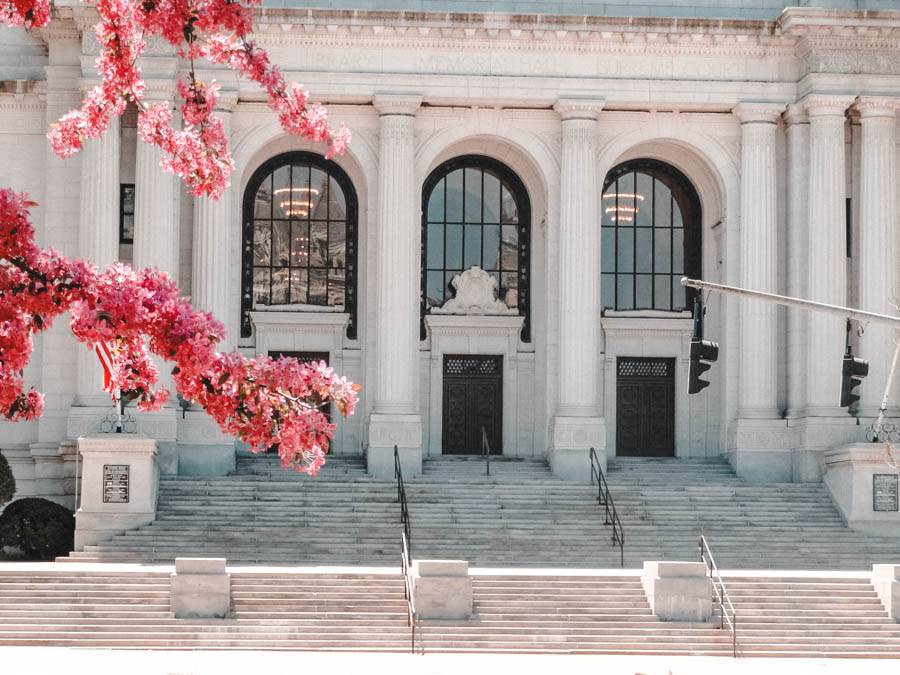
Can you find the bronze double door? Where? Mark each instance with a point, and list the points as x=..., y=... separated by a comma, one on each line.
x=473, y=400
x=645, y=407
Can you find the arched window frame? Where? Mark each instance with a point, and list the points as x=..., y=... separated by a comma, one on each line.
x=351, y=233
x=523, y=207
x=691, y=221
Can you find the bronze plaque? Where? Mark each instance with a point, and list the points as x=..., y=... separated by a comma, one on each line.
x=884, y=492
x=115, y=483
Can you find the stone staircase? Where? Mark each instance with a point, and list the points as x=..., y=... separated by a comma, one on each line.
x=520, y=515
x=127, y=606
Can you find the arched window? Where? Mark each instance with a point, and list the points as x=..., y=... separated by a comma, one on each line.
x=475, y=211
x=299, y=248
x=650, y=237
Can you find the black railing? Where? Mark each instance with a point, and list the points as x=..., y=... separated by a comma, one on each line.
x=411, y=616
x=401, y=499
x=486, y=451
x=720, y=595
x=604, y=499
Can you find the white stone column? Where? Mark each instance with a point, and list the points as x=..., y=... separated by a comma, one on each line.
x=797, y=244
x=758, y=383
x=98, y=233
x=395, y=418
x=211, y=264
x=878, y=253
x=578, y=424
x=827, y=256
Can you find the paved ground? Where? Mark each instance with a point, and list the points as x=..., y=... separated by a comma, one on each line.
x=50, y=661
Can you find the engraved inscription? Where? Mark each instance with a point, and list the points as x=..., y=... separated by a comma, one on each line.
x=884, y=492
x=115, y=483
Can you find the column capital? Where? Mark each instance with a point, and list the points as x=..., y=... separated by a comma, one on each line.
x=827, y=105
x=751, y=112
x=795, y=114
x=579, y=108
x=877, y=106
x=396, y=104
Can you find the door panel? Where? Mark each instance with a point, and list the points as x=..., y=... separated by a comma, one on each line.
x=645, y=407
x=473, y=398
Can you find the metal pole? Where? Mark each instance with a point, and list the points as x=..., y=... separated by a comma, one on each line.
x=793, y=302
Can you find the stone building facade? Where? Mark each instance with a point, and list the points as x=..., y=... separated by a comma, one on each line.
x=584, y=159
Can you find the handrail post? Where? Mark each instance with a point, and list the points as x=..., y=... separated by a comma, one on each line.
x=604, y=499
x=486, y=450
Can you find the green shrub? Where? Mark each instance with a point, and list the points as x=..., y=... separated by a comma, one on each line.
x=7, y=481
x=41, y=529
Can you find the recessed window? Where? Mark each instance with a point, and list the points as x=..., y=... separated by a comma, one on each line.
x=650, y=237
x=299, y=238
x=475, y=212
x=126, y=213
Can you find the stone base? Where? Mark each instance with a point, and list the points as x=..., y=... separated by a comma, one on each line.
x=93, y=527
x=817, y=435
x=386, y=431
x=678, y=591
x=203, y=448
x=571, y=441
x=886, y=580
x=849, y=479
x=200, y=588
x=442, y=589
x=761, y=450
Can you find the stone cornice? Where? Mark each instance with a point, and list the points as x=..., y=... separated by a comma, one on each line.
x=753, y=112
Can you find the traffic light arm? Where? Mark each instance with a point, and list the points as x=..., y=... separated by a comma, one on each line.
x=793, y=302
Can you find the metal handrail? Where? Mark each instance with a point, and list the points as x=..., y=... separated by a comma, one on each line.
x=406, y=567
x=604, y=499
x=721, y=594
x=486, y=451
x=401, y=499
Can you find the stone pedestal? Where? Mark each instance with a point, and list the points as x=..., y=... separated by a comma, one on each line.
x=572, y=439
x=203, y=448
x=860, y=481
x=678, y=591
x=816, y=436
x=442, y=589
x=200, y=588
x=886, y=580
x=118, y=486
x=761, y=450
x=386, y=431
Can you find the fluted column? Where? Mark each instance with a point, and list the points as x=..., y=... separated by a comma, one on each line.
x=877, y=242
x=578, y=424
x=98, y=232
x=797, y=244
x=395, y=416
x=759, y=252
x=211, y=264
x=827, y=257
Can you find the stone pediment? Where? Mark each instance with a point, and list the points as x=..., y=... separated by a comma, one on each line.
x=476, y=294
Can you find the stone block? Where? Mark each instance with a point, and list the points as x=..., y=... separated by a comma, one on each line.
x=678, y=591
x=886, y=580
x=205, y=460
x=200, y=588
x=442, y=589
x=386, y=431
x=850, y=480
x=571, y=441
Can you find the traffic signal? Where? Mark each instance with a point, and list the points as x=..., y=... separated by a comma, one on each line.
x=703, y=354
x=852, y=373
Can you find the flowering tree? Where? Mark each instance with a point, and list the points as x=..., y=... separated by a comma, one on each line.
x=265, y=402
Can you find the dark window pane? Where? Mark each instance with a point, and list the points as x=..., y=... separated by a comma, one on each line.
x=337, y=203
x=299, y=286
x=663, y=255
x=608, y=290
x=643, y=201
x=625, y=250
x=473, y=196
x=281, y=192
x=454, y=196
x=337, y=245
x=608, y=207
x=491, y=198
x=473, y=246
x=318, y=289
x=509, y=248
x=449, y=290
x=676, y=215
x=679, y=294
x=435, y=252
x=662, y=205
x=678, y=251
x=262, y=243
x=625, y=291
x=491, y=246
x=335, y=288
x=662, y=288
x=262, y=206
x=608, y=249
x=434, y=289
x=643, y=291
x=317, y=197
x=509, y=289
x=643, y=259
x=318, y=244
x=260, y=287
x=508, y=211
x=127, y=227
x=436, y=203
x=280, y=283
x=299, y=244
x=128, y=199
x=281, y=243
x=454, y=246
